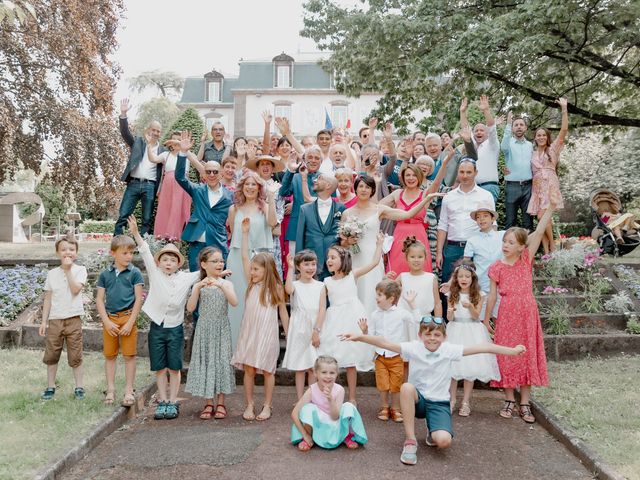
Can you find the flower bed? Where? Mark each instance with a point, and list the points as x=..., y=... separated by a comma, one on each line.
x=629, y=277
x=19, y=287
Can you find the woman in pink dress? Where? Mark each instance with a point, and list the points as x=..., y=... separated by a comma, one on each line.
x=518, y=321
x=174, y=204
x=544, y=164
x=411, y=177
x=346, y=196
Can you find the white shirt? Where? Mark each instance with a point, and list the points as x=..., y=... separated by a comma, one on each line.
x=324, y=207
x=167, y=293
x=455, y=213
x=390, y=324
x=170, y=161
x=484, y=249
x=326, y=166
x=214, y=197
x=488, y=152
x=146, y=169
x=63, y=303
x=430, y=372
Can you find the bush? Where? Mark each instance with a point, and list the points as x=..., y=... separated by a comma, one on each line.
x=97, y=226
x=573, y=229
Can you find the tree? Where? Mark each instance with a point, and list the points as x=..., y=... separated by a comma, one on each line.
x=56, y=91
x=165, y=82
x=161, y=109
x=426, y=54
x=189, y=120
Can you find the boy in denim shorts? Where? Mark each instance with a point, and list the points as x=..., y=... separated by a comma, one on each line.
x=61, y=314
x=118, y=301
x=426, y=394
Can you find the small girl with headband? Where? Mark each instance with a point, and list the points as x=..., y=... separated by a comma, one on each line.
x=466, y=328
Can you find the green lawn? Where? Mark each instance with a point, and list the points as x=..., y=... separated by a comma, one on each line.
x=599, y=399
x=35, y=432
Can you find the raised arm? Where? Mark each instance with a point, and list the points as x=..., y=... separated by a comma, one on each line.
x=246, y=262
x=151, y=155
x=379, y=342
x=304, y=184
x=435, y=185
x=266, y=136
x=486, y=110
x=127, y=136
x=272, y=218
x=469, y=148
x=464, y=105
x=493, y=348
x=535, y=237
x=195, y=163
x=358, y=272
x=285, y=130
x=398, y=214
x=181, y=163
x=564, y=126
x=505, y=145
x=203, y=140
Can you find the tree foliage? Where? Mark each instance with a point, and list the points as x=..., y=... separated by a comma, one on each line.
x=161, y=109
x=189, y=120
x=165, y=82
x=56, y=95
x=425, y=55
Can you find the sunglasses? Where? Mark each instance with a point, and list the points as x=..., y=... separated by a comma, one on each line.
x=427, y=319
x=212, y=172
x=469, y=160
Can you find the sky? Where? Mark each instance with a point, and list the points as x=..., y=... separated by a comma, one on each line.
x=193, y=37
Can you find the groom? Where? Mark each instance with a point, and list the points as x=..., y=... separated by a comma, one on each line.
x=318, y=221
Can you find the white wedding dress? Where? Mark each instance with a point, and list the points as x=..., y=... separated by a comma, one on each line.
x=367, y=283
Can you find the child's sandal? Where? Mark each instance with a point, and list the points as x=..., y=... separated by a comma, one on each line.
x=109, y=397
x=465, y=410
x=128, y=400
x=249, y=414
x=507, y=409
x=221, y=412
x=265, y=414
x=525, y=413
x=395, y=415
x=350, y=443
x=383, y=414
x=304, y=446
x=206, y=412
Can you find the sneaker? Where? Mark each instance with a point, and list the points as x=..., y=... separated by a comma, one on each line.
x=429, y=441
x=78, y=393
x=171, y=411
x=48, y=393
x=161, y=411
x=409, y=453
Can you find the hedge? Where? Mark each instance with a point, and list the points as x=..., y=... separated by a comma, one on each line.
x=97, y=226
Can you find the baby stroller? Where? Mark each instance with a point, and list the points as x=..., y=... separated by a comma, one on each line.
x=607, y=203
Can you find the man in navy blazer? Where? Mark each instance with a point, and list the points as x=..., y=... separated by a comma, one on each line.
x=292, y=185
x=142, y=176
x=210, y=204
x=319, y=220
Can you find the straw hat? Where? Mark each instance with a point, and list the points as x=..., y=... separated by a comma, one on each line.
x=170, y=248
x=278, y=164
x=484, y=207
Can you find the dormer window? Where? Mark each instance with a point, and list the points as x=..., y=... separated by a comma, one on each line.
x=213, y=82
x=283, y=71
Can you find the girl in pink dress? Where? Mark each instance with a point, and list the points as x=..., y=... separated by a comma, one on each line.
x=544, y=164
x=174, y=204
x=258, y=345
x=518, y=320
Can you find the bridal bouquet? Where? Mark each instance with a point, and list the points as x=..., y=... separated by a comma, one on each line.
x=351, y=228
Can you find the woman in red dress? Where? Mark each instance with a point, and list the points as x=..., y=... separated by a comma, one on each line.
x=518, y=320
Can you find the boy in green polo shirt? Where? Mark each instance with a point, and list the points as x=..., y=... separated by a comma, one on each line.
x=118, y=301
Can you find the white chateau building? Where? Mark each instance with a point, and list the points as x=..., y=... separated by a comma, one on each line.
x=299, y=90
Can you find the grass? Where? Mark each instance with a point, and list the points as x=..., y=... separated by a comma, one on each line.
x=599, y=400
x=35, y=432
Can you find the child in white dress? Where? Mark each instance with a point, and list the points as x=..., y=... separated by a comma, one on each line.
x=344, y=312
x=308, y=307
x=467, y=329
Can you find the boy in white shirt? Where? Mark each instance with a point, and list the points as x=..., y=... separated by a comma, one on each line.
x=61, y=314
x=389, y=321
x=426, y=394
x=169, y=289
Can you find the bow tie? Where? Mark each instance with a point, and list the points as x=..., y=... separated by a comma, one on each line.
x=432, y=354
x=326, y=202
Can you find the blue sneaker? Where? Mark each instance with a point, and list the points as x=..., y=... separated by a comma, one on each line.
x=78, y=393
x=172, y=411
x=161, y=411
x=48, y=393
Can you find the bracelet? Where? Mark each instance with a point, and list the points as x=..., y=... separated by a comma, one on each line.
x=316, y=329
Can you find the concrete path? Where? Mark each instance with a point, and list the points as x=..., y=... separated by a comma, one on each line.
x=485, y=447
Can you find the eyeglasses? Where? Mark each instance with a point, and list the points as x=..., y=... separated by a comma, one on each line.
x=217, y=129
x=212, y=172
x=427, y=319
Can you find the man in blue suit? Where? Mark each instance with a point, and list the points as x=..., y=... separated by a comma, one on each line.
x=319, y=220
x=142, y=176
x=210, y=205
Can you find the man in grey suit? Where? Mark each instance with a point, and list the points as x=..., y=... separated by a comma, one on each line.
x=319, y=220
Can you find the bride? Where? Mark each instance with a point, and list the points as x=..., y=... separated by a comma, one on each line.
x=369, y=213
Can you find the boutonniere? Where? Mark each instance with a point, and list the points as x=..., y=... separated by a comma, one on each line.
x=337, y=215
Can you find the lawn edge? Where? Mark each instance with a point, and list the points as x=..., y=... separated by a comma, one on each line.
x=589, y=458
x=96, y=436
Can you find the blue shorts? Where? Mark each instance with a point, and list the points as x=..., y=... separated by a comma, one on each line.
x=436, y=414
x=165, y=347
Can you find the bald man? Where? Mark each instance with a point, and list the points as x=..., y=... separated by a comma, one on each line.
x=142, y=176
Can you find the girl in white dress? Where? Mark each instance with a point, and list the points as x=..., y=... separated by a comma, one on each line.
x=344, y=312
x=424, y=284
x=308, y=307
x=466, y=329
x=370, y=214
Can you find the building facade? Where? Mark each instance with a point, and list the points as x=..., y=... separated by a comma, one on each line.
x=299, y=90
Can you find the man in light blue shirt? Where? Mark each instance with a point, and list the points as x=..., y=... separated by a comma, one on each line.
x=517, y=154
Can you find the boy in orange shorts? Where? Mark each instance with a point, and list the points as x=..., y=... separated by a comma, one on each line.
x=388, y=321
x=118, y=301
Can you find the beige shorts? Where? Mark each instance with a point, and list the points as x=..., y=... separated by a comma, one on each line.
x=67, y=330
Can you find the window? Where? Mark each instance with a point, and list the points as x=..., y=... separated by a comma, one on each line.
x=213, y=91
x=339, y=115
x=283, y=111
x=283, y=76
